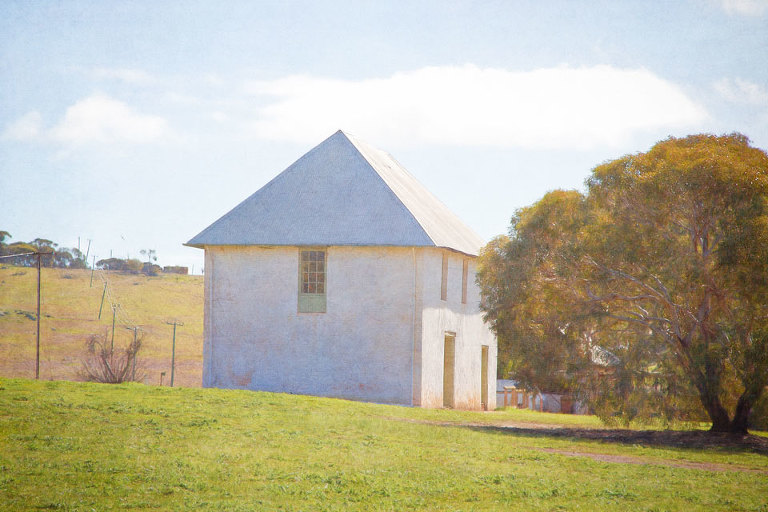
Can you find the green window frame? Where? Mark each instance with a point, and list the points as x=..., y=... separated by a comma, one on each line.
x=313, y=283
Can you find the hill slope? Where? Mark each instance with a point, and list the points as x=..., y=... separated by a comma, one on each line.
x=80, y=446
x=70, y=309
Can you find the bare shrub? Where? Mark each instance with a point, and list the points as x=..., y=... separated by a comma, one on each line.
x=111, y=365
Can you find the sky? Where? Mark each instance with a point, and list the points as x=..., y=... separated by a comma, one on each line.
x=136, y=124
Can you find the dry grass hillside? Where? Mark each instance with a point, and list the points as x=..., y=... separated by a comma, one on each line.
x=70, y=309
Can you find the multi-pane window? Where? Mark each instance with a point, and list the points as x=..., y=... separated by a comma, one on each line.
x=312, y=271
x=312, y=281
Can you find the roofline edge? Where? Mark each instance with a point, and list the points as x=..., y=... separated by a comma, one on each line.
x=452, y=249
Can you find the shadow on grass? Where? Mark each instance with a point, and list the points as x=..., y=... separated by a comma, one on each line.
x=695, y=439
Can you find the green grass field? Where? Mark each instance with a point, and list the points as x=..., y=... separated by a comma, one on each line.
x=70, y=308
x=80, y=446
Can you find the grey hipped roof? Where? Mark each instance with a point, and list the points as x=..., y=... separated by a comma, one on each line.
x=342, y=192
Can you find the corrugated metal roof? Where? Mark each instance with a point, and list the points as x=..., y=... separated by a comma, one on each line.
x=342, y=192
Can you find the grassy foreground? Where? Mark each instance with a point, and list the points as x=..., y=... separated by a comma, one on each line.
x=78, y=446
x=70, y=309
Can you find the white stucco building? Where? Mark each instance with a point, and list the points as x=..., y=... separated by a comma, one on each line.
x=345, y=277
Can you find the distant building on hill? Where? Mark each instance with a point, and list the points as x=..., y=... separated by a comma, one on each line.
x=174, y=269
x=345, y=277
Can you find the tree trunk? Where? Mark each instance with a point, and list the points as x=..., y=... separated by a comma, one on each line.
x=719, y=417
x=717, y=413
x=750, y=396
x=741, y=417
x=709, y=388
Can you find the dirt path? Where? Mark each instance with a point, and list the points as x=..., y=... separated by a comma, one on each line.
x=629, y=459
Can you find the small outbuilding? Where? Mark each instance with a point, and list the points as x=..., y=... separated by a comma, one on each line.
x=345, y=277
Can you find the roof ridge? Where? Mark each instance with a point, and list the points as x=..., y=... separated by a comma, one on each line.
x=423, y=217
x=354, y=141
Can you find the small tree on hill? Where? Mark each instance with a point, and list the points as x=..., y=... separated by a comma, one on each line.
x=151, y=255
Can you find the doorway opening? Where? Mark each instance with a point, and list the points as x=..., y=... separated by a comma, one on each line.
x=449, y=363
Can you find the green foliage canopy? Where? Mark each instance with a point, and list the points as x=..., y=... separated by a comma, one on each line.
x=650, y=288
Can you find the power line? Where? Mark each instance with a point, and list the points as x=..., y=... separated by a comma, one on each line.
x=22, y=254
x=122, y=313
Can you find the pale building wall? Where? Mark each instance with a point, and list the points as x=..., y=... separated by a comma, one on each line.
x=465, y=320
x=383, y=314
x=361, y=348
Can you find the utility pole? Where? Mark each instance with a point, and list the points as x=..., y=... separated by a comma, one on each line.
x=173, y=352
x=37, y=356
x=88, y=250
x=92, y=268
x=39, y=280
x=114, y=312
x=133, y=372
x=102, y=299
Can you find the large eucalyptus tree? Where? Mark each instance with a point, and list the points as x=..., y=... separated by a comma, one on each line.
x=663, y=264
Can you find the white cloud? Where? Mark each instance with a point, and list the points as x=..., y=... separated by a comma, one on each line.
x=745, y=7
x=131, y=76
x=742, y=91
x=220, y=117
x=466, y=105
x=97, y=119
x=26, y=128
x=100, y=119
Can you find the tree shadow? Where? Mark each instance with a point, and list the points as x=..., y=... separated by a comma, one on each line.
x=689, y=439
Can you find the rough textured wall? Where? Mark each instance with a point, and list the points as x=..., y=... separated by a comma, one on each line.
x=465, y=320
x=361, y=348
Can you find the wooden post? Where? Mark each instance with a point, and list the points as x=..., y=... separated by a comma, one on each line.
x=102, y=299
x=173, y=350
x=133, y=372
x=173, y=354
x=114, y=312
x=37, y=356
